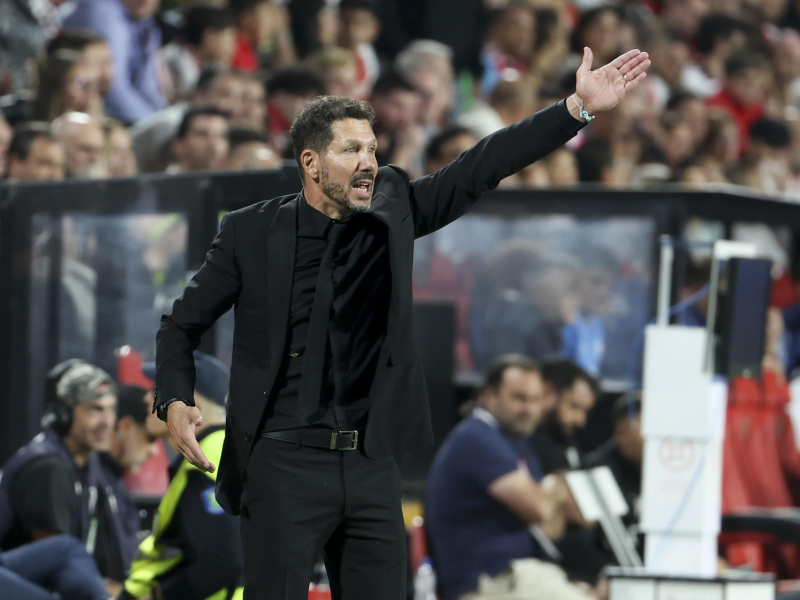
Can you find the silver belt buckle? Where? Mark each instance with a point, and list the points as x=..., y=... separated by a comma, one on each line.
x=335, y=435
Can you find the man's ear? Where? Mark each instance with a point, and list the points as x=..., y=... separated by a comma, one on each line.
x=311, y=164
x=124, y=423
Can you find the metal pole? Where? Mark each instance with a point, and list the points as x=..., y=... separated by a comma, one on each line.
x=665, y=280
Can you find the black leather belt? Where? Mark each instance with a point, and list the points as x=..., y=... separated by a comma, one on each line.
x=330, y=440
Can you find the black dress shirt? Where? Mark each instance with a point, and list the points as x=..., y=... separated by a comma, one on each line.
x=359, y=267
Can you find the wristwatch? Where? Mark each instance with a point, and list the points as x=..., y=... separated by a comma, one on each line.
x=161, y=411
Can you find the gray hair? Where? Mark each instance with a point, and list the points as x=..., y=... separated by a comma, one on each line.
x=418, y=53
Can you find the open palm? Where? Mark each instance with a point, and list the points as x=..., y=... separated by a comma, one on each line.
x=602, y=89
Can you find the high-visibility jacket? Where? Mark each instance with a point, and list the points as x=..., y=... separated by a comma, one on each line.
x=155, y=558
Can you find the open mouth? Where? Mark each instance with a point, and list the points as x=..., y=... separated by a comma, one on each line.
x=363, y=186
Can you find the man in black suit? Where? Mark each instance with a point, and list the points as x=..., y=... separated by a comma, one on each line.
x=326, y=382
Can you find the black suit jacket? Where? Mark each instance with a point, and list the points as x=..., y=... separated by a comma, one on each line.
x=250, y=267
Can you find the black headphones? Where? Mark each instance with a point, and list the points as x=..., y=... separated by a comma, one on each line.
x=57, y=412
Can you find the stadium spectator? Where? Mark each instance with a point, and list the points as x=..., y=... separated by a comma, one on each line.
x=264, y=38
x=600, y=30
x=428, y=66
x=336, y=67
x=511, y=100
x=744, y=90
x=35, y=154
x=83, y=143
x=522, y=299
x=397, y=107
x=250, y=150
x=56, y=484
x=623, y=453
x=670, y=54
x=288, y=90
x=208, y=40
x=691, y=110
x=58, y=564
x=359, y=28
x=253, y=113
x=719, y=37
x=202, y=141
x=118, y=149
x=194, y=551
x=768, y=150
x=131, y=445
x=786, y=58
x=685, y=16
x=152, y=137
x=25, y=27
x=67, y=83
x=129, y=28
x=445, y=148
x=94, y=49
x=488, y=508
x=509, y=45
x=585, y=337
x=570, y=396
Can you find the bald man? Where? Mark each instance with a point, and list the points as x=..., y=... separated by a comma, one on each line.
x=82, y=138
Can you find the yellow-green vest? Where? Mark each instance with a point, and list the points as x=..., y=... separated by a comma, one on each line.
x=151, y=561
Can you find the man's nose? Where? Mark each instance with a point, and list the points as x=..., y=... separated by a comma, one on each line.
x=367, y=162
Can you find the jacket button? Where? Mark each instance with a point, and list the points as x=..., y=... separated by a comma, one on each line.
x=247, y=437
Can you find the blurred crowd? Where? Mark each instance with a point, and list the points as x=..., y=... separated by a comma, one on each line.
x=108, y=88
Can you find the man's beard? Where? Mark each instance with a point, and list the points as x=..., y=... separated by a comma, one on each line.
x=338, y=193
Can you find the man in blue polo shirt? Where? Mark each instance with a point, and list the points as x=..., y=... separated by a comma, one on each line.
x=488, y=508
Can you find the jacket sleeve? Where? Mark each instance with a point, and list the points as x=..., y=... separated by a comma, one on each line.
x=444, y=196
x=209, y=294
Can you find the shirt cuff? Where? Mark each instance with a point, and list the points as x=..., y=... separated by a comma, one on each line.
x=569, y=122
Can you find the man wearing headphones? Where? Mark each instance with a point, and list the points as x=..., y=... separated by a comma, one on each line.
x=55, y=484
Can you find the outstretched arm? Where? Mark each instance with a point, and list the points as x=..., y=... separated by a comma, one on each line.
x=442, y=197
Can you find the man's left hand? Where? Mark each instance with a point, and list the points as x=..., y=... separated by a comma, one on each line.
x=601, y=90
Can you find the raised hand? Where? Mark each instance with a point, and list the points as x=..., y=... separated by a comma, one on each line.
x=183, y=420
x=601, y=90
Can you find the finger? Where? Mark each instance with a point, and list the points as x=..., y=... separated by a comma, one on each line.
x=203, y=462
x=632, y=83
x=188, y=446
x=586, y=63
x=621, y=60
x=635, y=63
x=188, y=454
x=640, y=68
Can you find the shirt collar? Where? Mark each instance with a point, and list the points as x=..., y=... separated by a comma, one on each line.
x=484, y=415
x=311, y=223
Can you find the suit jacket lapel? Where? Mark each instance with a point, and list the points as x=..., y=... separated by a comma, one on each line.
x=281, y=240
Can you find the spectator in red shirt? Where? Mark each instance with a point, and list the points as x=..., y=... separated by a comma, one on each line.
x=747, y=78
x=264, y=37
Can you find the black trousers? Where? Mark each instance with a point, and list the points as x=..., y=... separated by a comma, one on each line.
x=300, y=502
